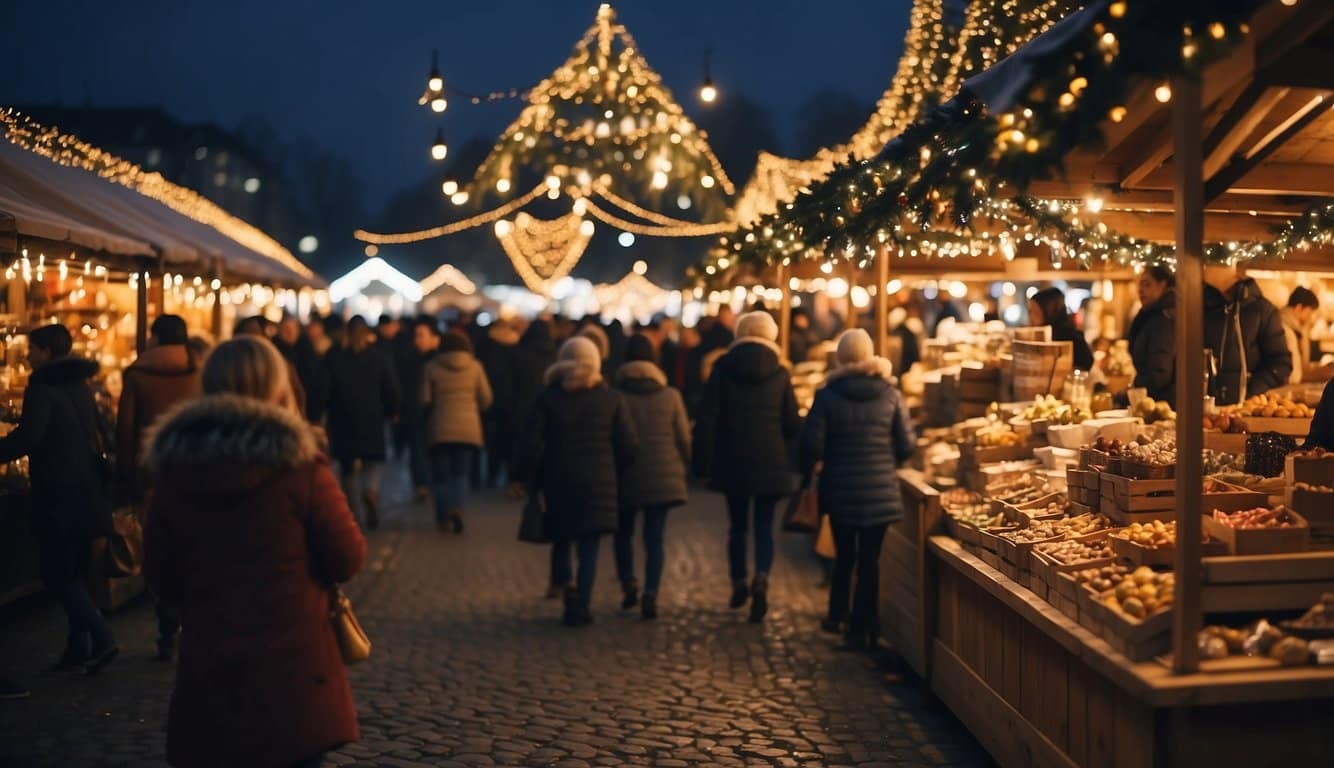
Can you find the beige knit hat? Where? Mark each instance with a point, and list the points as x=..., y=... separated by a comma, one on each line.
x=854, y=346
x=582, y=351
x=598, y=336
x=759, y=325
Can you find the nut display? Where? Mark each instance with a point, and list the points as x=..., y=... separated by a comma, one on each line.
x=1101, y=579
x=1069, y=552
x=1141, y=593
x=980, y=518
x=1253, y=519
x=1054, y=411
x=1063, y=528
x=1162, y=452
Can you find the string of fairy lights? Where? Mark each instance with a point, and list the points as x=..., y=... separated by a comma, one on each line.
x=956, y=165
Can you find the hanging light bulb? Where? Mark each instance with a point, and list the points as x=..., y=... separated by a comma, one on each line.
x=708, y=92
x=439, y=149
x=434, y=94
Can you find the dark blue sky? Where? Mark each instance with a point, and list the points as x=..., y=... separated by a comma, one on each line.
x=347, y=74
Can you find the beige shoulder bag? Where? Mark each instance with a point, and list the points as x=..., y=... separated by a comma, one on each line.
x=352, y=640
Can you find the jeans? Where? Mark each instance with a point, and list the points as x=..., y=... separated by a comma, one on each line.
x=419, y=457
x=655, y=520
x=451, y=464
x=859, y=548
x=88, y=633
x=586, y=546
x=367, y=471
x=738, y=513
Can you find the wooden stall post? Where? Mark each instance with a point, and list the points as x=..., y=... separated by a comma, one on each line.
x=141, y=309
x=217, y=301
x=1187, y=138
x=882, y=301
x=784, y=311
x=853, y=276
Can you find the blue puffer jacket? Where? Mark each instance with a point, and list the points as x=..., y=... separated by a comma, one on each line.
x=859, y=427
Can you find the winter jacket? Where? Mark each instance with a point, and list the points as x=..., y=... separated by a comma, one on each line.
x=746, y=417
x=305, y=373
x=454, y=392
x=1297, y=337
x=718, y=337
x=498, y=353
x=859, y=427
x=536, y=352
x=575, y=451
x=363, y=395
x=1244, y=322
x=154, y=383
x=247, y=529
x=1153, y=345
x=1322, y=424
x=658, y=475
x=1066, y=331
x=58, y=432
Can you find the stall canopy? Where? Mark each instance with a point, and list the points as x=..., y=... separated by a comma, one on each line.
x=46, y=199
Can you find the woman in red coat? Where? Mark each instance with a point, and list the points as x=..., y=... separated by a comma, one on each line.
x=247, y=532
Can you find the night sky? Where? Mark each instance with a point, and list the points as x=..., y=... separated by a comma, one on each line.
x=347, y=74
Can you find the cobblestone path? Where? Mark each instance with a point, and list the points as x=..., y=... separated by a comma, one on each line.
x=471, y=668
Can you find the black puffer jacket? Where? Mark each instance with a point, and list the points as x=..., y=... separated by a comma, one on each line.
x=1322, y=426
x=1245, y=321
x=1066, y=331
x=1153, y=347
x=662, y=461
x=58, y=432
x=363, y=395
x=746, y=417
x=859, y=427
x=577, y=447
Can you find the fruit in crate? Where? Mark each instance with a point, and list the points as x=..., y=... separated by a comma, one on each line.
x=1153, y=410
x=1223, y=421
x=1070, y=552
x=1101, y=579
x=997, y=435
x=1161, y=453
x=1153, y=534
x=1258, y=518
x=1272, y=406
x=1054, y=411
x=1053, y=508
x=960, y=497
x=1066, y=528
x=1218, y=461
x=1141, y=593
x=981, y=517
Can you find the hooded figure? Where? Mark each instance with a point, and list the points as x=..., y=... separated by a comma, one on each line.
x=657, y=480
x=576, y=448
x=454, y=393
x=1245, y=333
x=535, y=353
x=858, y=429
x=746, y=418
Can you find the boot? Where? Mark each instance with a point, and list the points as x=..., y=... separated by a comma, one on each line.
x=831, y=625
x=759, y=600
x=740, y=594
x=372, y=509
x=570, y=617
x=649, y=607
x=630, y=595
x=456, y=520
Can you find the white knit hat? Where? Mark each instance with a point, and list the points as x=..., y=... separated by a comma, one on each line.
x=758, y=325
x=854, y=346
x=582, y=351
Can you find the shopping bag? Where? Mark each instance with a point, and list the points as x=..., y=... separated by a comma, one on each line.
x=533, y=521
x=803, y=512
x=824, y=543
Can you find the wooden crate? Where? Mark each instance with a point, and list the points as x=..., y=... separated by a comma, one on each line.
x=1160, y=556
x=1233, y=498
x=1090, y=610
x=1137, y=640
x=1225, y=442
x=1083, y=509
x=989, y=540
x=1261, y=541
x=993, y=454
x=1019, y=513
x=1141, y=471
x=1138, y=495
x=1294, y=427
x=1076, y=478
x=1315, y=471
x=1316, y=507
x=1063, y=604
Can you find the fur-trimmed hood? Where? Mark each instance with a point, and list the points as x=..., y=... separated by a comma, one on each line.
x=225, y=438
x=752, y=359
x=876, y=366
x=573, y=375
x=166, y=360
x=640, y=377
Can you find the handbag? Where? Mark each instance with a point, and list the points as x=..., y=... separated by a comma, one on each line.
x=120, y=553
x=533, y=521
x=824, y=543
x=352, y=640
x=803, y=511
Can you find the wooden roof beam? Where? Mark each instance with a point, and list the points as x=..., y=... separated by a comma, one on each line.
x=1301, y=23
x=1241, y=118
x=1238, y=169
x=1302, y=68
x=1278, y=179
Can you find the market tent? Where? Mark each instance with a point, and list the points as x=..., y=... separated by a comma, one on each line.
x=64, y=203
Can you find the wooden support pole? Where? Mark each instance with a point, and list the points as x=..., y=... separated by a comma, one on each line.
x=882, y=302
x=853, y=276
x=216, y=319
x=1187, y=138
x=141, y=309
x=785, y=312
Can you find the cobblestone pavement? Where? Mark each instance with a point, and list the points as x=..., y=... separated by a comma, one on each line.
x=472, y=668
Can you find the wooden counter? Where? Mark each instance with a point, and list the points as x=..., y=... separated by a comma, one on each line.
x=1037, y=689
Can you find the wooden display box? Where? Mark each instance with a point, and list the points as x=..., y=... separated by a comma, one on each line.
x=1141, y=471
x=1160, y=556
x=1077, y=508
x=1261, y=541
x=1233, y=498
x=990, y=540
x=1138, y=495
x=1090, y=610
x=1137, y=640
x=1315, y=506
x=1225, y=442
x=1294, y=427
x=1025, y=513
x=1315, y=471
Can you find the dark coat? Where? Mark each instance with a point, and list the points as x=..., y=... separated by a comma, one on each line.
x=1153, y=347
x=159, y=379
x=535, y=353
x=247, y=529
x=746, y=417
x=662, y=461
x=498, y=353
x=1066, y=331
x=859, y=427
x=1245, y=320
x=58, y=432
x=1322, y=425
x=717, y=337
x=308, y=385
x=576, y=449
x=363, y=395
